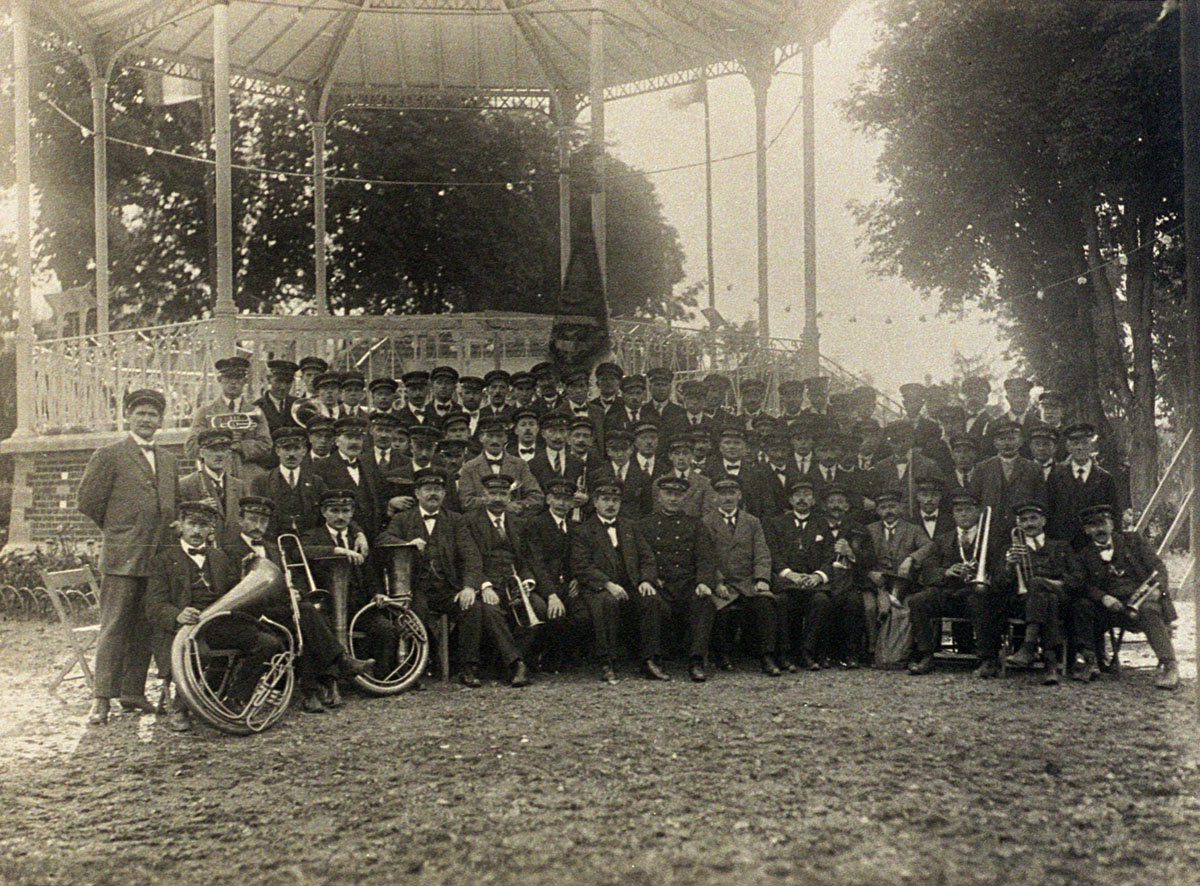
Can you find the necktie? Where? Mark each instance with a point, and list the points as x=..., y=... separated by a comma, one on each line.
x=498, y=522
x=888, y=532
x=1079, y=474
x=291, y=478
x=555, y=462
x=562, y=525
x=342, y=540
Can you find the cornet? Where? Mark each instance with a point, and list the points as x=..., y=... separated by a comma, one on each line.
x=1023, y=565
x=1145, y=590
x=522, y=609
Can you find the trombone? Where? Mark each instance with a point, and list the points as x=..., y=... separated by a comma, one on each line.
x=1023, y=565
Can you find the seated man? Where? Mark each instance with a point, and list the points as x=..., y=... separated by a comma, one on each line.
x=1115, y=565
x=949, y=590
x=614, y=564
x=1054, y=577
x=801, y=549
x=743, y=575
x=548, y=540
x=447, y=571
x=853, y=558
x=187, y=577
x=322, y=657
x=897, y=547
x=498, y=537
x=684, y=563
x=341, y=538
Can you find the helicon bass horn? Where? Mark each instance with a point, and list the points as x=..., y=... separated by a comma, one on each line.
x=203, y=676
x=412, y=642
x=304, y=411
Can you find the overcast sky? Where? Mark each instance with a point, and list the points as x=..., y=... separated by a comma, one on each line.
x=649, y=132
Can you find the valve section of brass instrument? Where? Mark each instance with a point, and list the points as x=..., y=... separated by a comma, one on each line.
x=517, y=598
x=1020, y=558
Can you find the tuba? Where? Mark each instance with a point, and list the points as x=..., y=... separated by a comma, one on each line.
x=201, y=681
x=305, y=410
x=412, y=649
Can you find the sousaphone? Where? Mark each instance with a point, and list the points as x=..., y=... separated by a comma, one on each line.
x=412, y=643
x=202, y=681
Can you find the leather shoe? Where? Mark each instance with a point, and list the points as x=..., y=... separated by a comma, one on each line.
x=654, y=672
x=520, y=675
x=788, y=666
x=608, y=675
x=138, y=703
x=848, y=664
x=312, y=703
x=1052, y=677
x=987, y=669
x=769, y=667
x=98, y=715
x=1086, y=671
x=332, y=696
x=922, y=665
x=1023, y=657
x=349, y=666
x=1168, y=675
x=179, y=721
x=723, y=663
x=696, y=671
x=468, y=677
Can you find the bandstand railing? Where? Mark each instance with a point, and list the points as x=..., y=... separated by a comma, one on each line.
x=78, y=382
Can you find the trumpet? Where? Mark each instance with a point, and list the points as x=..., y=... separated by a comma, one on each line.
x=981, y=548
x=1145, y=590
x=1023, y=565
x=235, y=421
x=522, y=609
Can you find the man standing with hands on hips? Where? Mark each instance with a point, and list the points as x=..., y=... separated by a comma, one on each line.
x=129, y=490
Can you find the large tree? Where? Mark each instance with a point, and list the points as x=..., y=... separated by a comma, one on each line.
x=489, y=243
x=1031, y=149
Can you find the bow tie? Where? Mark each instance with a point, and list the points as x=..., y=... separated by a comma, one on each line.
x=527, y=451
x=194, y=552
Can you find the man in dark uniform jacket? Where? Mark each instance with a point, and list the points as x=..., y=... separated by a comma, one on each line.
x=608, y=382
x=185, y=578
x=576, y=404
x=620, y=465
x=754, y=391
x=853, y=559
x=685, y=565
x=801, y=548
x=294, y=486
x=791, y=399
x=322, y=656
x=625, y=413
x=1005, y=479
x=348, y=469
x=779, y=471
x=442, y=380
x=1077, y=484
x=1043, y=444
x=310, y=369
x=1039, y=597
x=496, y=385
x=934, y=514
x=548, y=539
x=383, y=391
x=339, y=538
x=613, y=563
x=553, y=459
x=669, y=416
x=925, y=430
x=1115, y=565
x=276, y=403
x=976, y=392
x=731, y=461
x=947, y=574
x=505, y=557
x=447, y=571
x=548, y=398
x=415, y=410
x=717, y=389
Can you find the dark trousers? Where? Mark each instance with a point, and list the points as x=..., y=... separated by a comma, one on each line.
x=691, y=622
x=927, y=606
x=1091, y=617
x=760, y=611
x=566, y=637
x=847, y=623
x=652, y=611
x=380, y=640
x=321, y=648
x=240, y=633
x=124, y=642
x=605, y=612
x=474, y=624
x=809, y=614
x=1042, y=607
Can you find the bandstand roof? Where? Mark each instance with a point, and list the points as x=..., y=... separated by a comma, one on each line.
x=398, y=52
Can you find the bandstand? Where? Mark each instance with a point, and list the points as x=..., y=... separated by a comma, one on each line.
x=557, y=57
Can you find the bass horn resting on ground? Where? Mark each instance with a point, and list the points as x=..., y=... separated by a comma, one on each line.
x=203, y=678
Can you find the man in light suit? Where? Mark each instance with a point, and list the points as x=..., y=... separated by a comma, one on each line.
x=214, y=482
x=129, y=490
x=898, y=547
x=527, y=495
x=743, y=575
x=252, y=447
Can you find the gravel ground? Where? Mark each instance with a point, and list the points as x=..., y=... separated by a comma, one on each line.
x=856, y=777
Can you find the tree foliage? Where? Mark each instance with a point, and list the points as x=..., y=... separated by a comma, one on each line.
x=1032, y=150
x=392, y=248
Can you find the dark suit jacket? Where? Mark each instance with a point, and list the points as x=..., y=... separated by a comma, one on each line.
x=199, y=485
x=1055, y=560
x=944, y=552
x=131, y=504
x=806, y=551
x=368, y=504
x=757, y=496
x=636, y=491
x=594, y=561
x=670, y=418
x=775, y=491
x=992, y=490
x=277, y=418
x=548, y=553
x=594, y=414
x=296, y=510
x=542, y=472
x=907, y=541
x=500, y=556
x=944, y=522
x=451, y=558
x=1132, y=562
x=1066, y=497
x=169, y=590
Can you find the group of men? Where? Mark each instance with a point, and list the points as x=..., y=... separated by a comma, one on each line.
x=674, y=519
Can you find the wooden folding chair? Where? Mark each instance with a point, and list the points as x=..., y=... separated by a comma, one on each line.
x=73, y=592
